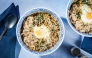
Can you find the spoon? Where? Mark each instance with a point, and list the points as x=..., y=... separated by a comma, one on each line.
x=11, y=21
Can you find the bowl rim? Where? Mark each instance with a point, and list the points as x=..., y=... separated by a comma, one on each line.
x=68, y=19
x=59, y=42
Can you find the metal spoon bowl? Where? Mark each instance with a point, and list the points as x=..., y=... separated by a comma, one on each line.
x=11, y=21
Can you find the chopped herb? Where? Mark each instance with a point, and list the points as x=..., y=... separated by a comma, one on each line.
x=41, y=46
x=76, y=2
x=53, y=23
x=42, y=16
x=34, y=23
x=86, y=2
x=78, y=15
x=42, y=42
x=39, y=18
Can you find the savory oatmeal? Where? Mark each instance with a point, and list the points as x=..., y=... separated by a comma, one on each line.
x=40, y=31
x=80, y=15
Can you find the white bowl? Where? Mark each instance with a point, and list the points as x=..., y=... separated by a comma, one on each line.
x=18, y=28
x=68, y=19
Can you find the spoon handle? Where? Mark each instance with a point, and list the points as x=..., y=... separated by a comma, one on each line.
x=3, y=33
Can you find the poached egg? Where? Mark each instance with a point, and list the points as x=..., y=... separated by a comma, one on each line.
x=86, y=15
x=41, y=31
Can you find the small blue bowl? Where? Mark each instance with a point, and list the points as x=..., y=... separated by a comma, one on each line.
x=18, y=28
x=68, y=19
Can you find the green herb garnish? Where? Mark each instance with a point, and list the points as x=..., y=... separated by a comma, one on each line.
x=42, y=42
x=42, y=16
x=39, y=18
x=53, y=23
x=78, y=15
x=86, y=2
x=76, y=2
x=34, y=23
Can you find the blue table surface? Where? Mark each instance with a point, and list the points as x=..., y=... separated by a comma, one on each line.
x=59, y=7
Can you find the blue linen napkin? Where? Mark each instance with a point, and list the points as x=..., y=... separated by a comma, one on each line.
x=87, y=44
x=8, y=42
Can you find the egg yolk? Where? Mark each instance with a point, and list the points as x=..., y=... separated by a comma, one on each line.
x=89, y=15
x=39, y=32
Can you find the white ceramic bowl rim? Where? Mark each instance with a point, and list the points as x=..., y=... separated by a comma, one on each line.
x=34, y=11
x=67, y=15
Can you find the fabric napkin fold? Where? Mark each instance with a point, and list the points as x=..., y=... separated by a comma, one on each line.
x=8, y=42
x=87, y=44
